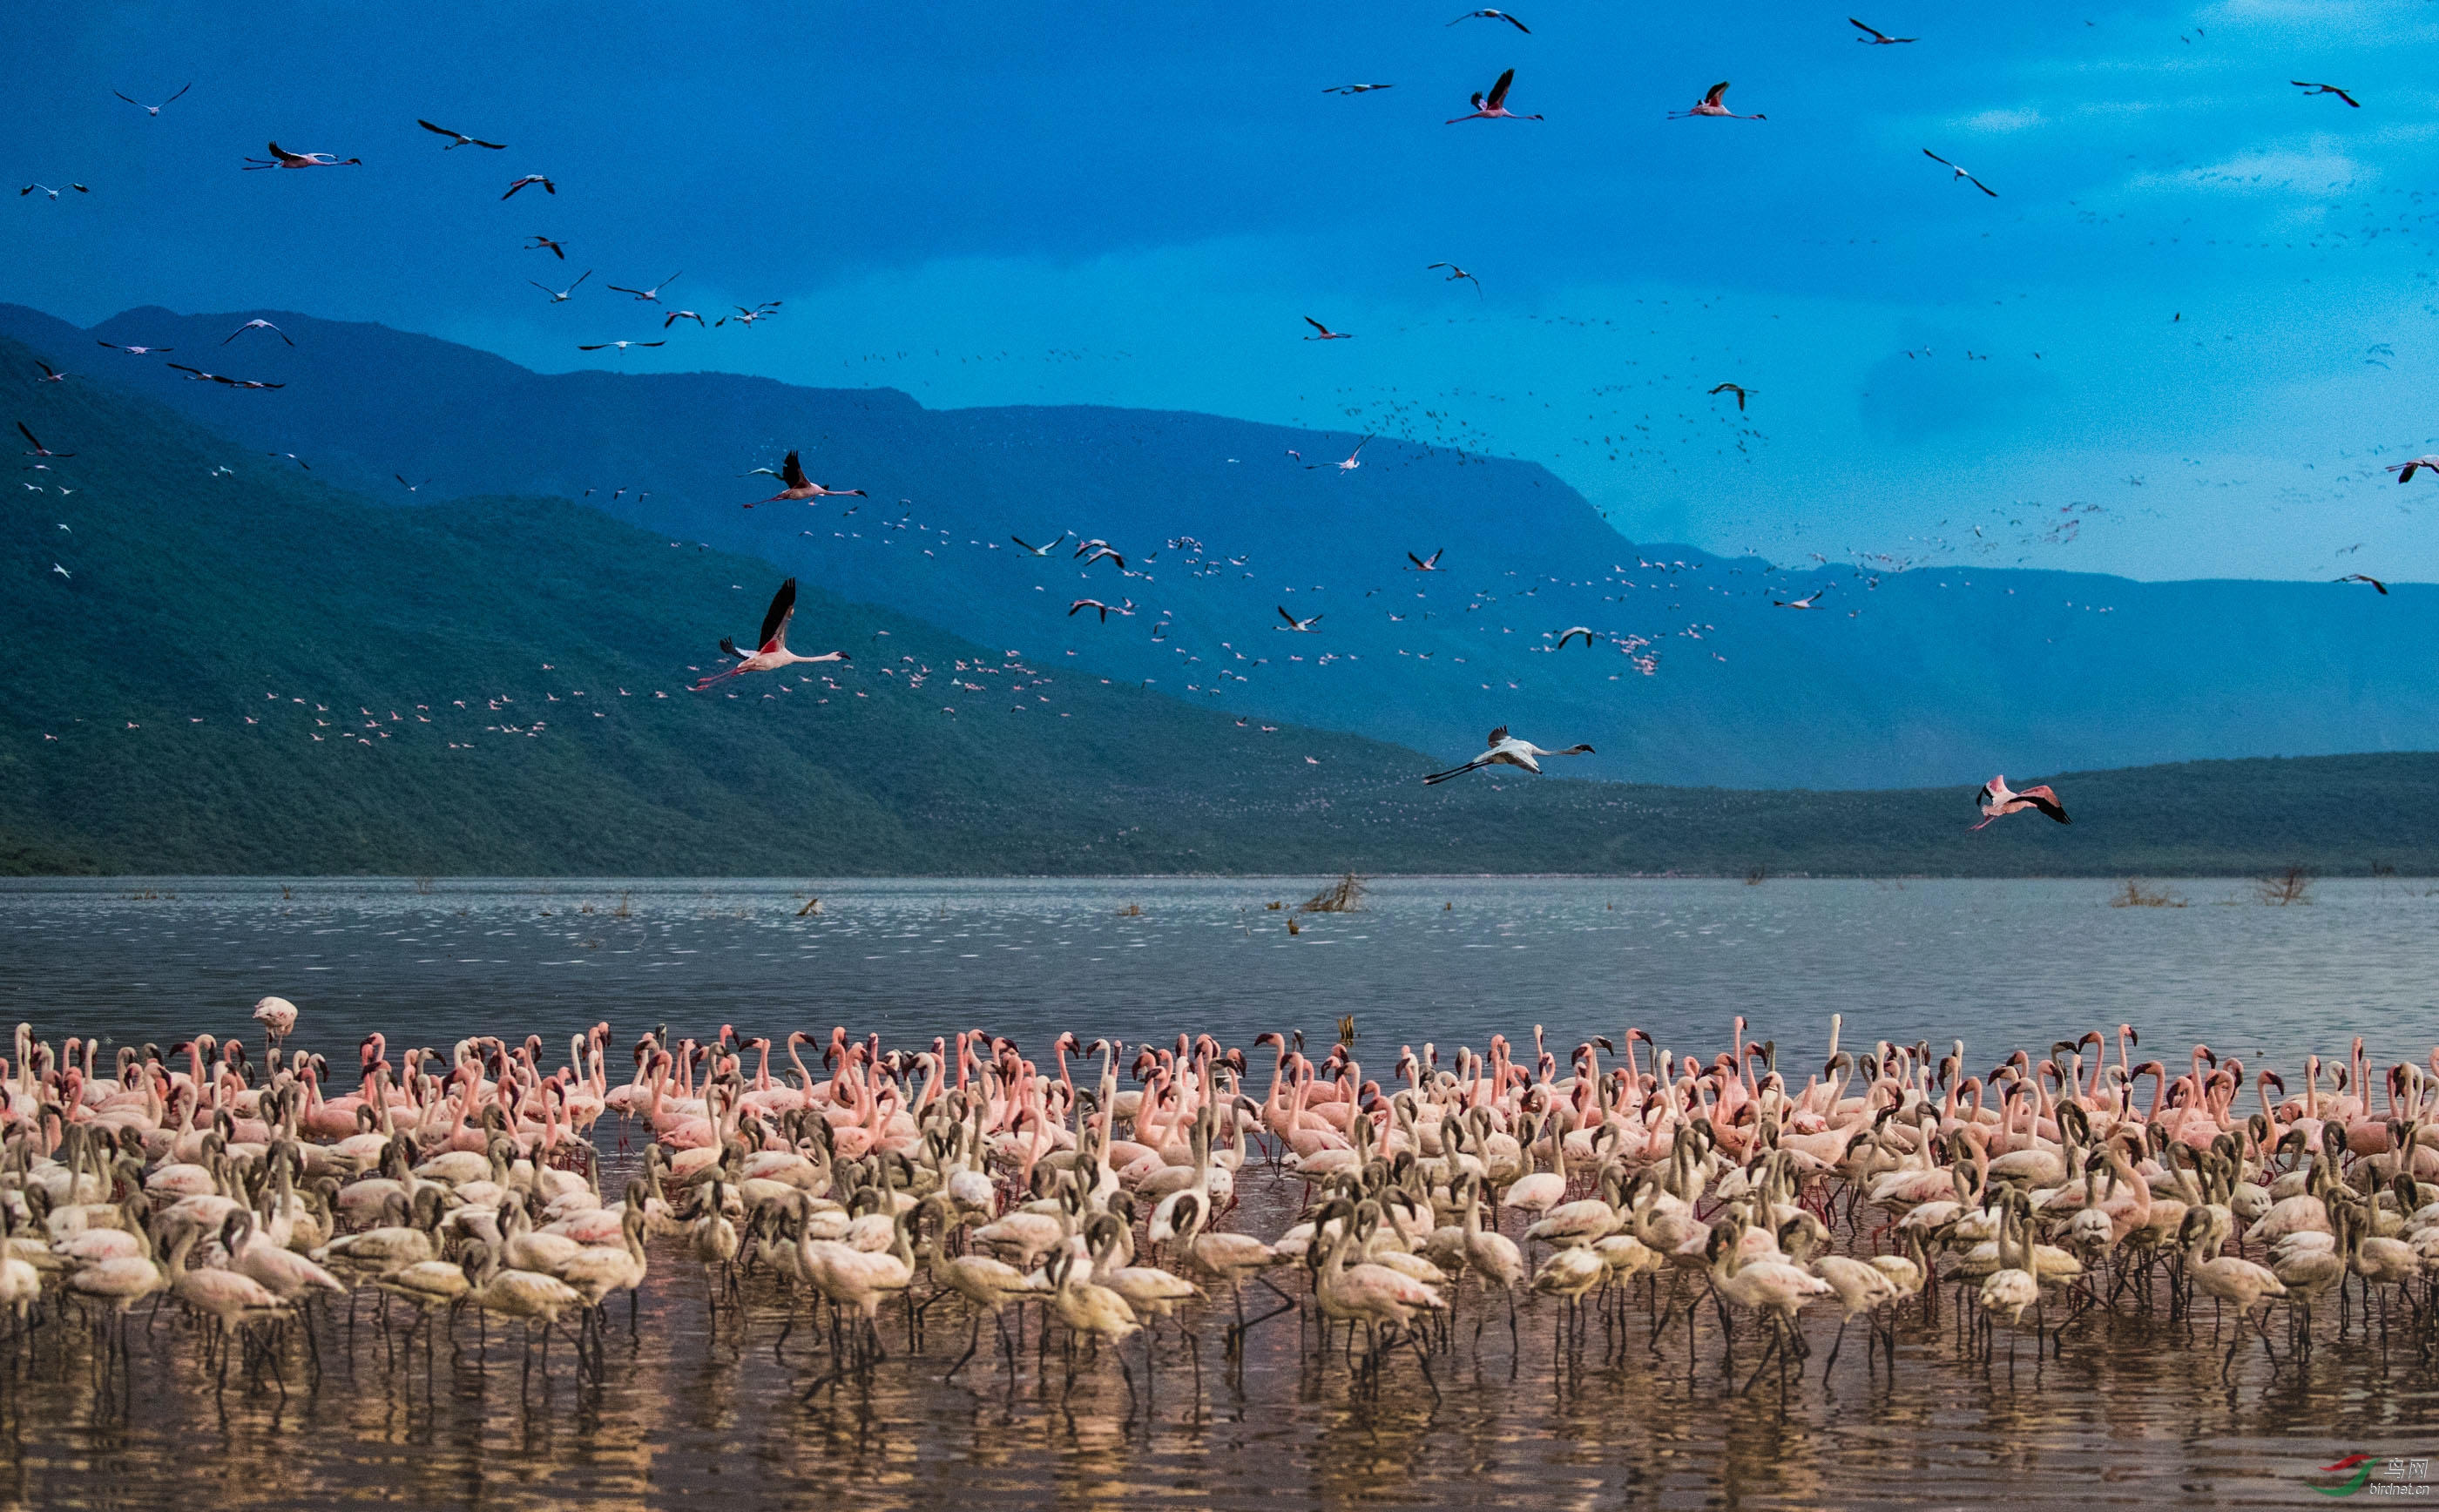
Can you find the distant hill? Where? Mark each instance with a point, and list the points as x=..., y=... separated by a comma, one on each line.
x=252, y=671
x=1938, y=675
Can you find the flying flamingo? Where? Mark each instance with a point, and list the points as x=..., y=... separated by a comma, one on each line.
x=1128, y=607
x=1741, y=393
x=1714, y=104
x=2363, y=577
x=1874, y=37
x=1430, y=563
x=1998, y=801
x=2404, y=470
x=540, y=242
x=1507, y=751
x=280, y=157
x=1493, y=15
x=791, y=473
x=2325, y=89
x=50, y=374
x=1493, y=106
x=1040, y=551
x=558, y=297
x=1348, y=466
x=1355, y=89
x=153, y=110
x=39, y=450
x=1327, y=334
x=1810, y=600
x=1301, y=626
x=772, y=653
x=1571, y=632
x=651, y=295
x=256, y=325
x=1960, y=173
x=461, y=139
x=622, y=345
x=134, y=351
x=548, y=187
x=50, y=191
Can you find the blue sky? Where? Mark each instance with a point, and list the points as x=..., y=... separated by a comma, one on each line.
x=2230, y=286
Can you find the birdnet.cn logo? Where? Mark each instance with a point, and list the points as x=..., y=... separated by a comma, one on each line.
x=2372, y=1475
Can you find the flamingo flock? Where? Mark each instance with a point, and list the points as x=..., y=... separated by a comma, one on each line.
x=1636, y=1187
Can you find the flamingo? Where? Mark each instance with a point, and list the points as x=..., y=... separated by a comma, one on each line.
x=155, y=109
x=1493, y=106
x=1571, y=632
x=256, y=324
x=280, y=157
x=622, y=345
x=1493, y=15
x=2404, y=470
x=1327, y=334
x=2325, y=89
x=38, y=449
x=1998, y=801
x=277, y=1016
x=536, y=242
x=2363, y=577
x=1958, y=172
x=1714, y=104
x=1741, y=393
x=50, y=374
x=1456, y=273
x=1873, y=37
x=1430, y=563
x=1040, y=551
x=1348, y=466
x=1505, y=750
x=548, y=187
x=134, y=351
x=1810, y=600
x=651, y=295
x=558, y=297
x=794, y=484
x=460, y=139
x=49, y=192
x=1126, y=608
x=772, y=652
x=1355, y=89
x=1301, y=626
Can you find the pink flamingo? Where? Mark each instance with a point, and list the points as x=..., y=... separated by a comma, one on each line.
x=1714, y=104
x=1997, y=801
x=798, y=485
x=280, y=157
x=1493, y=106
x=773, y=651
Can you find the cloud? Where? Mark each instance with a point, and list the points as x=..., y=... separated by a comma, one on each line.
x=2316, y=170
x=2004, y=120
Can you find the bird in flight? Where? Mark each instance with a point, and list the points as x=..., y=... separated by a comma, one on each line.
x=410, y=487
x=2404, y=470
x=1125, y=607
x=1493, y=106
x=2363, y=577
x=558, y=297
x=1714, y=104
x=1040, y=551
x=1348, y=466
x=1507, y=751
x=622, y=345
x=136, y=352
x=2325, y=89
x=1327, y=334
x=153, y=110
x=196, y=374
x=1571, y=632
x=541, y=242
x=1810, y=600
x=1739, y=391
x=51, y=192
x=256, y=325
x=747, y=317
x=1998, y=802
x=1430, y=563
x=1098, y=550
x=794, y=484
x=1960, y=173
x=1301, y=626
x=460, y=139
x=1493, y=15
x=1355, y=89
x=1874, y=36
x=651, y=295
x=548, y=187
x=1455, y=273
x=50, y=374
x=39, y=450
x=772, y=652
x=676, y=315
x=281, y=158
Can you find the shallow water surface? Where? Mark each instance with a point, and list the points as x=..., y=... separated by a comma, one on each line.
x=694, y=1404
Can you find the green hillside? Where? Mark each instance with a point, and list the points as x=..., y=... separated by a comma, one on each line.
x=252, y=672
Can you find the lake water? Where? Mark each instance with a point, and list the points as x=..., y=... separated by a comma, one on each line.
x=2134, y=1413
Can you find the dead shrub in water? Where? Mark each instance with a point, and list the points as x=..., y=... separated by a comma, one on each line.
x=2284, y=888
x=2138, y=895
x=1343, y=895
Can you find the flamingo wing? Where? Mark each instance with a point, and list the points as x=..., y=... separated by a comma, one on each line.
x=1291, y=619
x=2047, y=801
x=1499, y=92
x=1936, y=158
x=1718, y=90
x=1316, y=325
x=1497, y=736
x=775, y=624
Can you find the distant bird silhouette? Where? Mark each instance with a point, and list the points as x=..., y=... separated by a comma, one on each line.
x=1960, y=173
x=1810, y=600
x=1455, y=273
x=1040, y=551
x=796, y=486
x=1493, y=106
x=410, y=487
x=153, y=110
x=622, y=345
x=134, y=351
x=773, y=652
x=256, y=324
x=1493, y=15
x=1430, y=563
x=548, y=187
x=460, y=139
x=1571, y=632
x=1739, y=391
x=1127, y=607
x=1507, y=751
x=2325, y=89
x=1355, y=89
x=1714, y=104
x=51, y=192
x=1998, y=801
x=1874, y=37
x=540, y=242
x=1327, y=334
x=1301, y=626
x=50, y=374
x=2404, y=470
x=558, y=297
x=2363, y=577
x=651, y=295
x=281, y=158
x=1348, y=466
x=39, y=450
